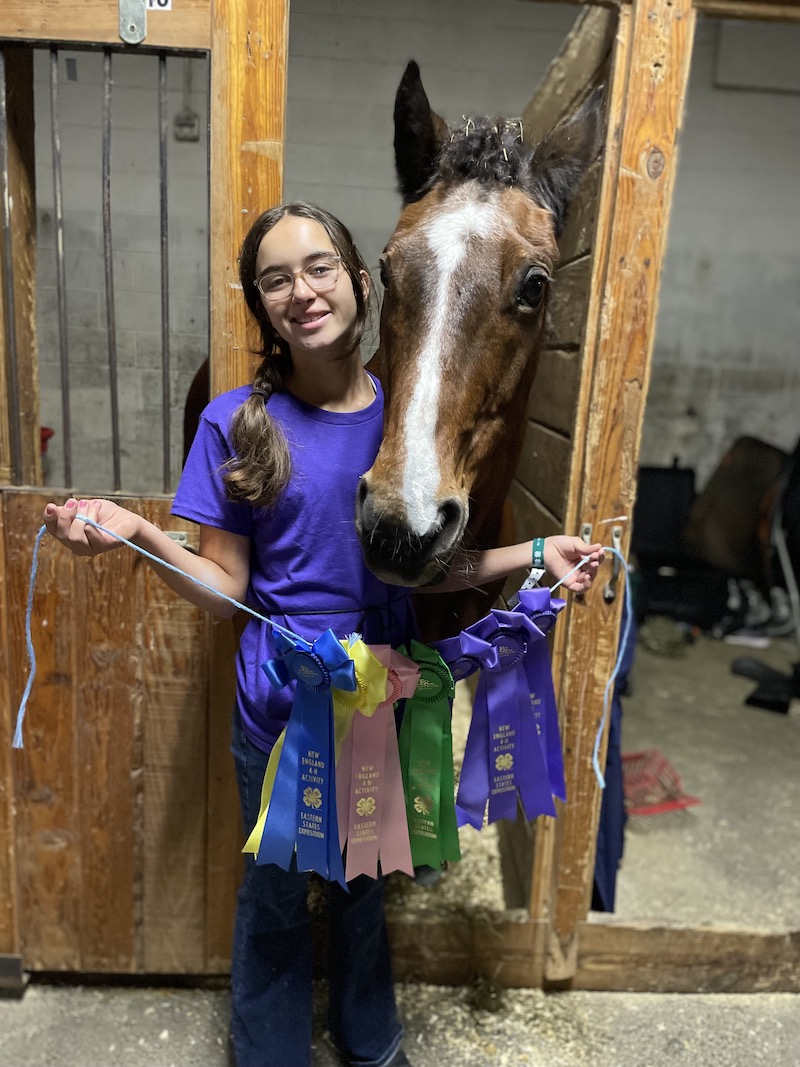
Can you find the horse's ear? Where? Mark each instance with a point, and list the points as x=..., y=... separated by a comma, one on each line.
x=562, y=156
x=418, y=135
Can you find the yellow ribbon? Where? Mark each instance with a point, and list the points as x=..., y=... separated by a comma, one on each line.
x=254, y=840
x=370, y=691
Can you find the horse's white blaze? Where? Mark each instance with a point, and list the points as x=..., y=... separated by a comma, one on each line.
x=448, y=237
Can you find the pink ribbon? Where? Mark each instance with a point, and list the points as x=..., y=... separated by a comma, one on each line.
x=373, y=810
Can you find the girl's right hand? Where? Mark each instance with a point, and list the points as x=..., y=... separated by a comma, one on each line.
x=79, y=536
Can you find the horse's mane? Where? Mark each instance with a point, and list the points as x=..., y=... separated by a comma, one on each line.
x=492, y=151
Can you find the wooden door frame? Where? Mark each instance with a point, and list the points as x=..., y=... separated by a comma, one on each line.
x=633, y=215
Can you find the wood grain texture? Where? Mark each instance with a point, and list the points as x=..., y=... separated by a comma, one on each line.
x=108, y=697
x=621, y=325
x=46, y=779
x=573, y=71
x=654, y=958
x=544, y=466
x=566, y=312
x=456, y=951
x=225, y=834
x=554, y=396
x=174, y=694
x=248, y=104
x=97, y=21
x=22, y=206
x=9, y=892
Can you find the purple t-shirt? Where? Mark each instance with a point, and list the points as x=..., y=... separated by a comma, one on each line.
x=306, y=567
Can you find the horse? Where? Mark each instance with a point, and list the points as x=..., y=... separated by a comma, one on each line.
x=466, y=275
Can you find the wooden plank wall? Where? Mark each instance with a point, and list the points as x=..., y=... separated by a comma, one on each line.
x=111, y=818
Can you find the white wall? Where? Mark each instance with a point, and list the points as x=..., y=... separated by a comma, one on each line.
x=727, y=351
x=726, y=360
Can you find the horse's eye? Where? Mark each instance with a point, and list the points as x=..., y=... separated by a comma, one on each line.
x=531, y=291
x=384, y=273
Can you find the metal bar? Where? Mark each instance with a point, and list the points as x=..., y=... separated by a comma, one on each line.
x=109, y=263
x=12, y=374
x=61, y=277
x=165, y=351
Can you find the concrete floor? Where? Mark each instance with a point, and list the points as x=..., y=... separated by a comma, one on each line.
x=732, y=859
x=103, y=1027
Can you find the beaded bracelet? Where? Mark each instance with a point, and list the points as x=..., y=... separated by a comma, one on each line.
x=537, y=553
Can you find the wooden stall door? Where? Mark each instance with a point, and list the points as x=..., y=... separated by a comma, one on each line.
x=119, y=823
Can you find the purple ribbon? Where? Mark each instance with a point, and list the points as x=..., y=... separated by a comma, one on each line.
x=542, y=609
x=505, y=755
x=302, y=808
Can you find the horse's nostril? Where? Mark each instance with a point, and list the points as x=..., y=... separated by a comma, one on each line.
x=363, y=489
x=451, y=513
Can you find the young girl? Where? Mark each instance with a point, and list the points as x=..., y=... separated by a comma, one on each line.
x=271, y=480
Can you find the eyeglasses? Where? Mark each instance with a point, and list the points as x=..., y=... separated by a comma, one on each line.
x=321, y=275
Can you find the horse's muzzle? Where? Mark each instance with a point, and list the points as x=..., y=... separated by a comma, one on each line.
x=399, y=555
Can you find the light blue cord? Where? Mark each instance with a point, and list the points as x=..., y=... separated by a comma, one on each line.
x=17, y=742
x=609, y=684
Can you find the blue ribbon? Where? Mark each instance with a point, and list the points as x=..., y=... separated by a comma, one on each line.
x=302, y=810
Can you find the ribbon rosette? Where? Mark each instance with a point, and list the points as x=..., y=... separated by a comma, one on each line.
x=371, y=804
x=299, y=813
x=426, y=759
x=505, y=755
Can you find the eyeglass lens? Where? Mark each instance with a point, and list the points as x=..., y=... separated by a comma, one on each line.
x=319, y=276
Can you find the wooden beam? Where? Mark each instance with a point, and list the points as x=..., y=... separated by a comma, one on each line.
x=22, y=202
x=654, y=958
x=620, y=329
x=186, y=26
x=249, y=43
x=786, y=11
x=572, y=72
x=455, y=951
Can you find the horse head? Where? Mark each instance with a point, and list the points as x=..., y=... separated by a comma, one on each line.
x=466, y=275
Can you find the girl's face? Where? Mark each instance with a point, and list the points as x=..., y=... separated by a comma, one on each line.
x=310, y=322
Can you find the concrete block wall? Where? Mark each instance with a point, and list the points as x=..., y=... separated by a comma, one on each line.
x=727, y=350
x=726, y=359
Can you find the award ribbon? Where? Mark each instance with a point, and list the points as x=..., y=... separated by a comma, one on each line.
x=504, y=756
x=542, y=609
x=360, y=757
x=426, y=759
x=301, y=813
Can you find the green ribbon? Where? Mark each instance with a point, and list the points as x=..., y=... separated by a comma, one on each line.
x=426, y=761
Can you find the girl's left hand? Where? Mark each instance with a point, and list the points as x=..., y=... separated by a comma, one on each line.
x=562, y=553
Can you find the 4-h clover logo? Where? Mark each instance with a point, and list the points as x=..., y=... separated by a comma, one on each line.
x=504, y=762
x=312, y=798
x=366, y=806
x=423, y=805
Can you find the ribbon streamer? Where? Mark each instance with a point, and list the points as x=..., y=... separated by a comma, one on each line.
x=426, y=759
x=301, y=813
x=506, y=751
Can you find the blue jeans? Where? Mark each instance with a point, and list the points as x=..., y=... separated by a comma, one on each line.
x=272, y=956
